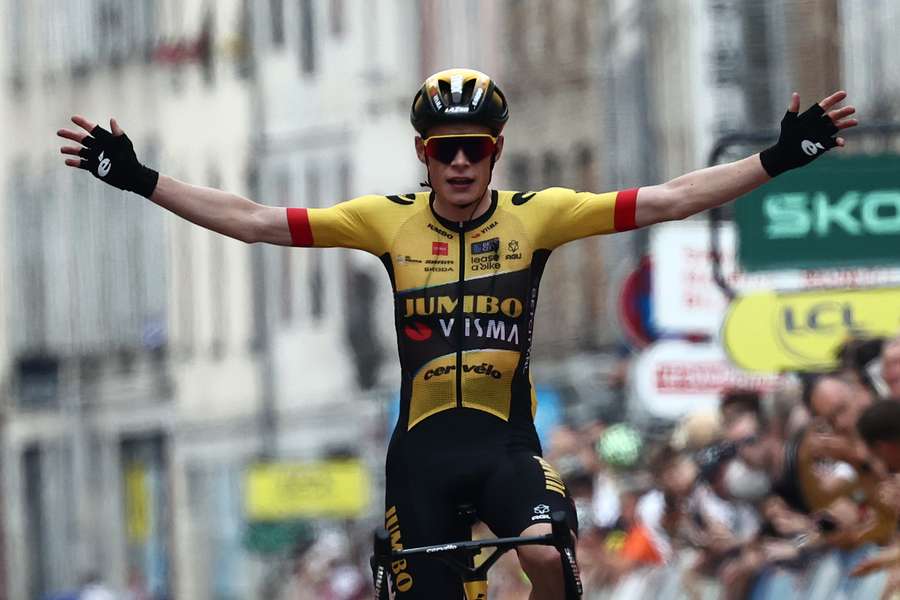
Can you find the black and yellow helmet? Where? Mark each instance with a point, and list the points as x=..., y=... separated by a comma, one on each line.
x=459, y=95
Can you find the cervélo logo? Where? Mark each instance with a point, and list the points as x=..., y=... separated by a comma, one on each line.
x=440, y=248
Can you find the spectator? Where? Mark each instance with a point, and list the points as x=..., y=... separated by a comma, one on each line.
x=738, y=402
x=697, y=430
x=890, y=366
x=879, y=427
x=856, y=357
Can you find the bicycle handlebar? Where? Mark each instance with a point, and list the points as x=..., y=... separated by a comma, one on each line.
x=560, y=537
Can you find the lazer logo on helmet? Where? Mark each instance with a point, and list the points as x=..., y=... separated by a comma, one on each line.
x=483, y=369
x=445, y=305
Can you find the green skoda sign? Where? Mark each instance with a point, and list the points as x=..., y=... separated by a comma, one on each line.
x=835, y=212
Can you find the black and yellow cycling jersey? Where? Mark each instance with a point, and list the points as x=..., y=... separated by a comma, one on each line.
x=465, y=296
x=465, y=293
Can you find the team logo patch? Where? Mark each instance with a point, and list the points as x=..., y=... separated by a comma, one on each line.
x=540, y=513
x=417, y=332
x=486, y=246
x=440, y=248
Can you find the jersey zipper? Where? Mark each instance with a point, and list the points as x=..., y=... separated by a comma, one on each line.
x=459, y=316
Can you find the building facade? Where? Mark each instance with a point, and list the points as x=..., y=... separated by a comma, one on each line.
x=124, y=326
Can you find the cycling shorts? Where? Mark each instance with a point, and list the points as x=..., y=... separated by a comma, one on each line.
x=510, y=485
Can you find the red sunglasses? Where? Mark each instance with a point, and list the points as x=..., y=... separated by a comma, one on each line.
x=476, y=146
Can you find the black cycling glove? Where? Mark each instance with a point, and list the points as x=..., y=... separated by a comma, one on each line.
x=804, y=138
x=111, y=158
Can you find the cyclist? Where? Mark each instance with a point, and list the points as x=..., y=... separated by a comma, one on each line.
x=465, y=262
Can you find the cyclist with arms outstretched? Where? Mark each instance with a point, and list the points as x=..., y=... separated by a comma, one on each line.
x=464, y=262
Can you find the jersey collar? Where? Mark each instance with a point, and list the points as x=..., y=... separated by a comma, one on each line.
x=465, y=225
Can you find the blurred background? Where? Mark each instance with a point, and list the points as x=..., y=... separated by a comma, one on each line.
x=187, y=416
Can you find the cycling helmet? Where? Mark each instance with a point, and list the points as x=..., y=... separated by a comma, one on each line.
x=459, y=95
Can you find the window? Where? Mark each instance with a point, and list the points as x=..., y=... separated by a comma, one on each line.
x=316, y=284
x=518, y=175
x=517, y=30
x=345, y=177
x=185, y=277
x=551, y=170
x=276, y=17
x=307, y=38
x=548, y=23
x=35, y=521
x=218, y=270
x=586, y=169
x=336, y=20
x=27, y=249
x=17, y=27
x=286, y=275
x=111, y=31
x=582, y=27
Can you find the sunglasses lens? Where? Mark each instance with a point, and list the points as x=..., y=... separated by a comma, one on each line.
x=442, y=149
x=477, y=148
x=445, y=149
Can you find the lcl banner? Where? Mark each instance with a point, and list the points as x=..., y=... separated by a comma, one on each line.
x=771, y=333
x=835, y=212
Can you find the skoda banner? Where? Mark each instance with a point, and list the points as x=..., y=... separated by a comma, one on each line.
x=833, y=212
x=770, y=332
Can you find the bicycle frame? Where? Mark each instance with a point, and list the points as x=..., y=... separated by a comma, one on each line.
x=474, y=578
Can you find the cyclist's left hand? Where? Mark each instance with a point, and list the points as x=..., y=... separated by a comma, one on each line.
x=838, y=116
x=806, y=136
x=108, y=155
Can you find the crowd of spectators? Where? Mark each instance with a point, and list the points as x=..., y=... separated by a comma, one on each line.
x=766, y=483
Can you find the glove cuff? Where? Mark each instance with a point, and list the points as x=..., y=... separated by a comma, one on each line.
x=772, y=161
x=145, y=181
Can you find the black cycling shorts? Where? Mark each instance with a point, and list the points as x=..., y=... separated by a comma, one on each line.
x=430, y=472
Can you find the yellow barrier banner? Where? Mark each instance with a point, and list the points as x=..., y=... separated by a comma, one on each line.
x=775, y=332
x=278, y=491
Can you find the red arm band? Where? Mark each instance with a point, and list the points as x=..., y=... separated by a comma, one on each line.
x=298, y=223
x=626, y=209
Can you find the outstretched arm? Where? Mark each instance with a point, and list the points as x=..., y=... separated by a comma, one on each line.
x=223, y=212
x=219, y=211
x=803, y=138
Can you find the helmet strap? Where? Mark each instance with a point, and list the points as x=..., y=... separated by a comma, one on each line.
x=427, y=182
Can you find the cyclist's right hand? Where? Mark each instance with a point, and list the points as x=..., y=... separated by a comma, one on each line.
x=109, y=156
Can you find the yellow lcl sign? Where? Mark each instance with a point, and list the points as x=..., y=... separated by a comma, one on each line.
x=287, y=490
x=801, y=331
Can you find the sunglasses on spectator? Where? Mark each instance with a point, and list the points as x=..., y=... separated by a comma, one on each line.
x=750, y=440
x=476, y=146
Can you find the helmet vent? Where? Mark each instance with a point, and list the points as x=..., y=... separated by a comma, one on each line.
x=456, y=88
x=476, y=97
